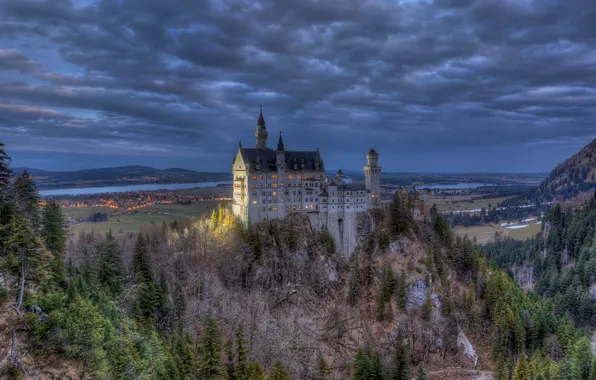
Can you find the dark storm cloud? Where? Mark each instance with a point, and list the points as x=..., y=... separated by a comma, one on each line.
x=185, y=78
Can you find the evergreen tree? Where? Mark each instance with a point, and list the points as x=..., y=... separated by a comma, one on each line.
x=386, y=291
x=111, y=270
x=402, y=291
x=241, y=354
x=5, y=172
x=23, y=243
x=399, y=218
x=521, y=371
x=421, y=374
x=582, y=359
x=142, y=276
x=254, y=371
x=323, y=371
x=209, y=346
x=54, y=234
x=367, y=366
x=427, y=308
x=230, y=368
x=400, y=368
x=278, y=372
x=26, y=198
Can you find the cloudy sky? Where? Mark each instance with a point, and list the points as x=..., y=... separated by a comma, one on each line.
x=435, y=86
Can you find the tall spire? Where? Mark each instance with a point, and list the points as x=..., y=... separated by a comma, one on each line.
x=261, y=132
x=280, y=143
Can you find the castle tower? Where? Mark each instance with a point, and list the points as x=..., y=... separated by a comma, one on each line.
x=261, y=132
x=372, y=177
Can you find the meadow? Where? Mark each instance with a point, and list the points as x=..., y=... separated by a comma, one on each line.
x=486, y=233
x=122, y=222
x=462, y=202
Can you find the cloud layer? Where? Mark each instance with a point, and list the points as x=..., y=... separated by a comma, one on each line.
x=444, y=85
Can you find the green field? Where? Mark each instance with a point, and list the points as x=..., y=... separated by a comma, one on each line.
x=485, y=234
x=121, y=222
x=462, y=202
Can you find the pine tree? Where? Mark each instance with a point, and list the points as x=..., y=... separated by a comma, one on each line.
x=54, y=235
x=241, y=354
x=254, y=371
x=421, y=374
x=5, y=172
x=26, y=198
x=402, y=291
x=427, y=308
x=323, y=371
x=24, y=244
x=400, y=369
x=367, y=366
x=142, y=276
x=582, y=359
x=141, y=262
x=593, y=369
x=230, y=368
x=111, y=270
x=278, y=372
x=210, y=350
x=521, y=371
x=400, y=220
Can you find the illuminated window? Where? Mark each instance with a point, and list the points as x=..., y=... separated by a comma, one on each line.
x=261, y=177
x=275, y=193
x=274, y=208
x=275, y=185
x=274, y=177
x=254, y=177
x=299, y=176
x=254, y=202
x=291, y=177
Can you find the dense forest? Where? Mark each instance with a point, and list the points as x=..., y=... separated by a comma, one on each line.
x=212, y=299
x=560, y=263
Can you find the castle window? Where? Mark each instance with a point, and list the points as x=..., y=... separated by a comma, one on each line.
x=291, y=177
x=254, y=177
x=261, y=177
x=274, y=208
x=274, y=176
x=254, y=202
x=275, y=193
x=299, y=176
x=254, y=185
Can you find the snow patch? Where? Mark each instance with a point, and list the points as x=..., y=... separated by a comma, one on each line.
x=517, y=227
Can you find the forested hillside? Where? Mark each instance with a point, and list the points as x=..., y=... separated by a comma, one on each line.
x=575, y=175
x=210, y=299
x=560, y=263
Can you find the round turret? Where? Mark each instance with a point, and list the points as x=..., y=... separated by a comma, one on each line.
x=372, y=157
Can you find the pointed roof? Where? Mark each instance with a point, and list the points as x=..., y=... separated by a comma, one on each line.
x=372, y=151
x=339, y=172
x=280, y=143
x=261, y=122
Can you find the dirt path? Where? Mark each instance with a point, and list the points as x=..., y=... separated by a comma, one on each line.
x=452, y=374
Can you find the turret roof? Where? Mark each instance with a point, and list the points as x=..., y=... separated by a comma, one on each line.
x=280, y=143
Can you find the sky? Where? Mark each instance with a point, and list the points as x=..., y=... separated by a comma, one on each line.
x=432, y=85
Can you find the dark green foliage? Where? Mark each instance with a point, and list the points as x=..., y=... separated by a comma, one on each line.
x=241, y=354
x=401, y=217
x=26, y=198
x=278, y=372
x=401, y=291
x=427, y=307
x=400, y=365
x=327, y=240
x=5, y=172
x=386, y=292
x=209, y=347
x=254, y=371
x=54, y=235
x=367, y=366
x=323, y=371
x=582, y=359
x=111, y=270
x=230, y=366
x=421, y=374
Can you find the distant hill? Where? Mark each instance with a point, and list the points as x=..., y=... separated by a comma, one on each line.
x=119, y=175
x=575, y=175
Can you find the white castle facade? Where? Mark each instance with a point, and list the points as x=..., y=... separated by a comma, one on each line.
x=270, y=184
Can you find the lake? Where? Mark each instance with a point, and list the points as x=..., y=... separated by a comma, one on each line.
x=123, y=189
x=456, y=186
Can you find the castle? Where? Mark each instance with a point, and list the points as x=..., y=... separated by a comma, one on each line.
x=270, y=184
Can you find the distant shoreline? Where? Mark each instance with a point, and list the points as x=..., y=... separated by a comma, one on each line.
x=130, y=188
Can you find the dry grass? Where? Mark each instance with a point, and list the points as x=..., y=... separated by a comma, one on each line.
x=462, y=202
x=485, y=234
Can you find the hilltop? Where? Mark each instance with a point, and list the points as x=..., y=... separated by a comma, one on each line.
x=570, y=178
x=119, y=176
